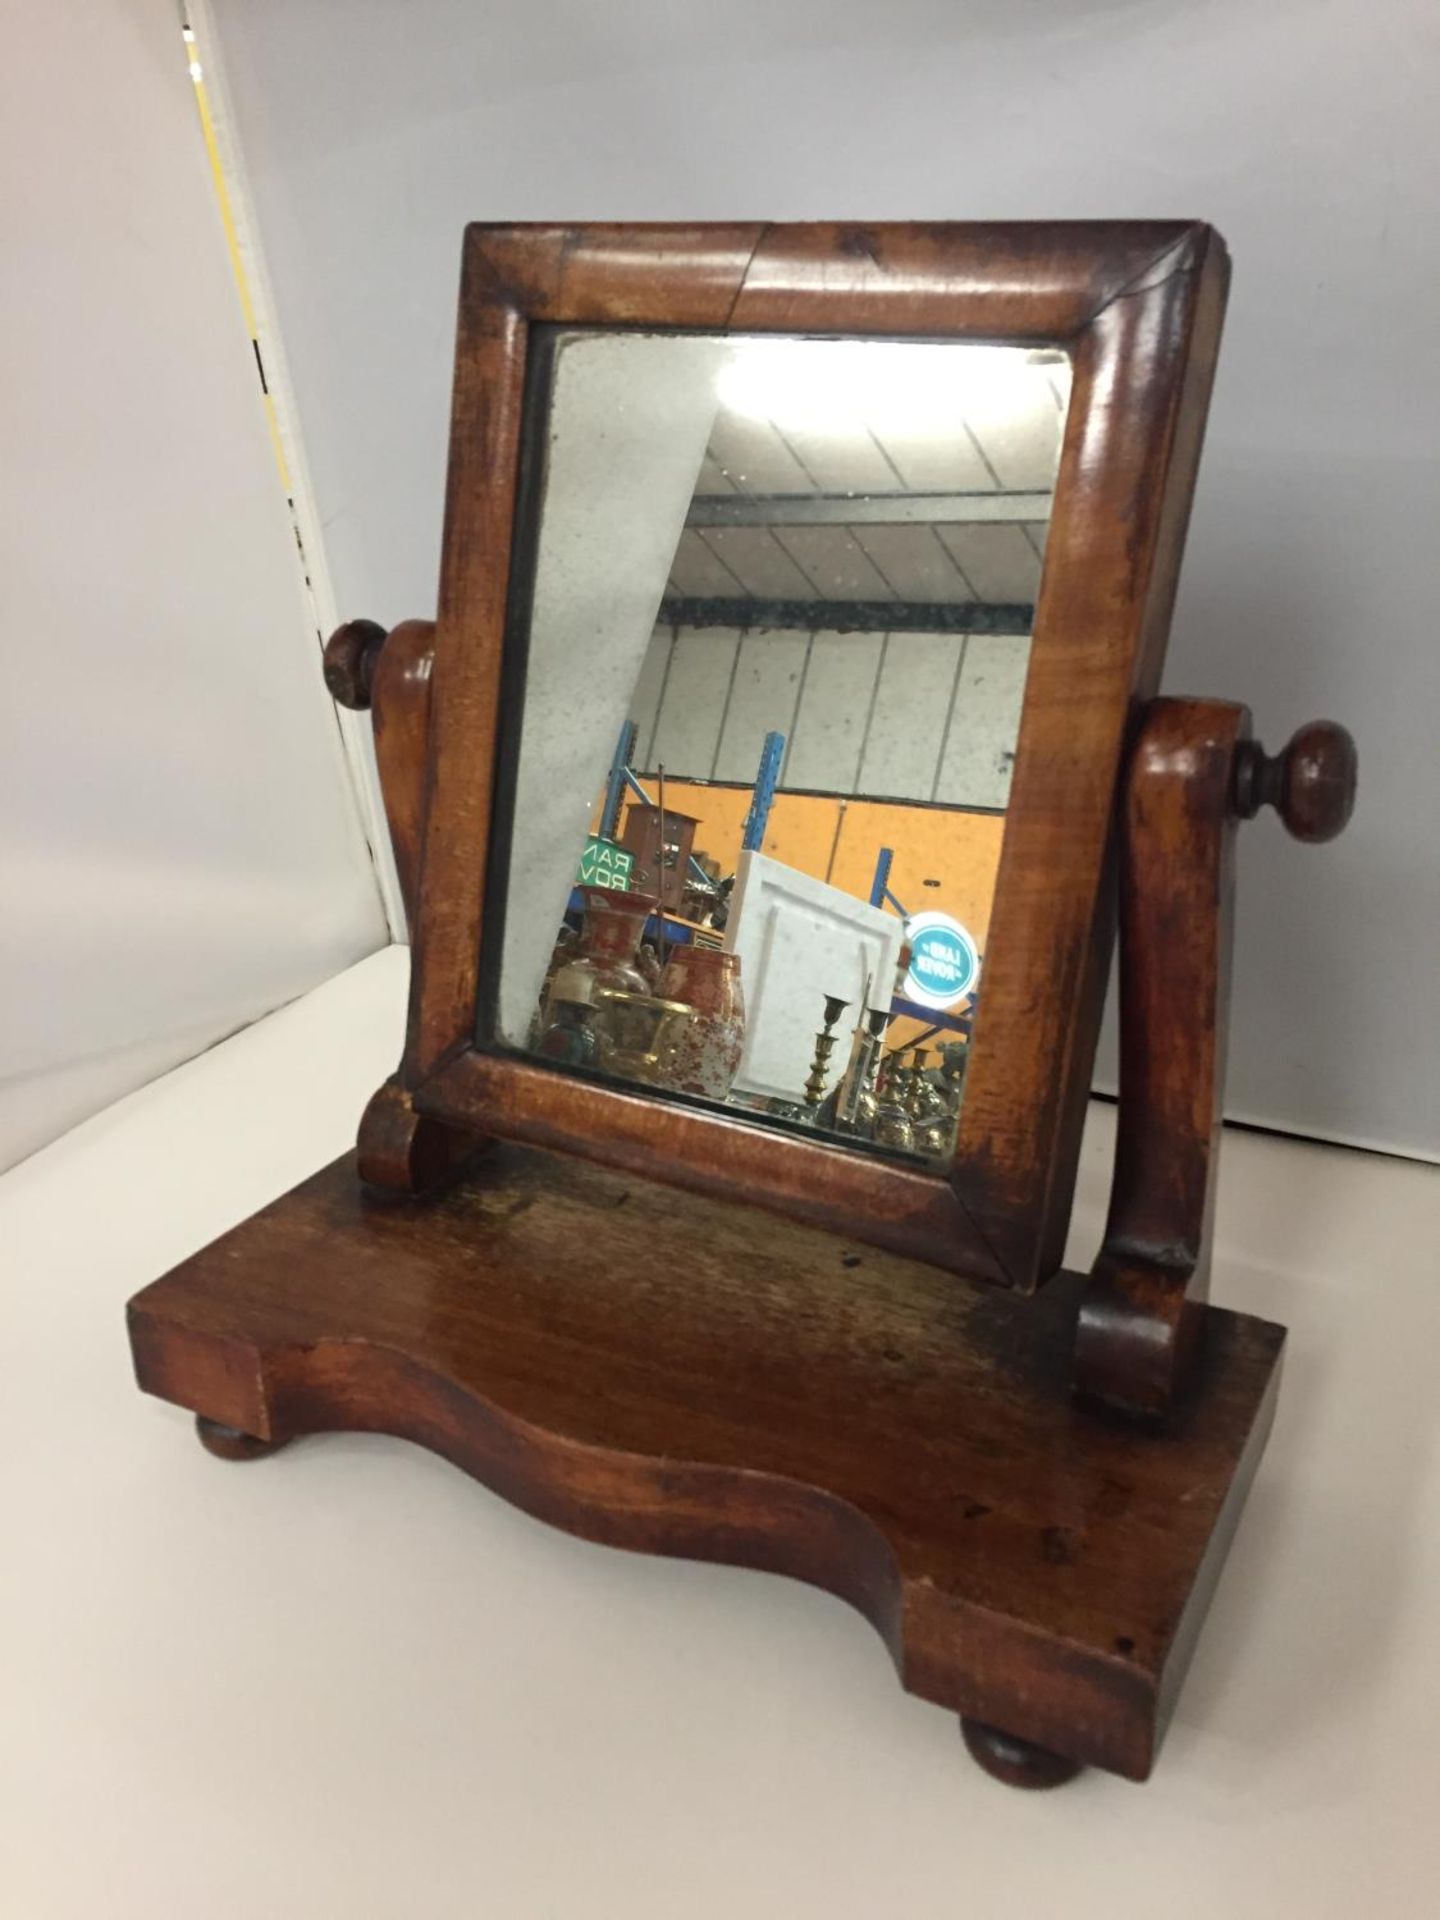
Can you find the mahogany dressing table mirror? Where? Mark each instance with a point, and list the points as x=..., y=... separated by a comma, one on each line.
x=766, y=798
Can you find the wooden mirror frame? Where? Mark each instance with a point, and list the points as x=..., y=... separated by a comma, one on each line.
x=1138, y=306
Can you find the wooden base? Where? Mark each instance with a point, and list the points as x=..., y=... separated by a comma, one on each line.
x=662, y=1371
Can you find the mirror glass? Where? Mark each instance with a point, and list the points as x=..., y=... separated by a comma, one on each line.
x=774, y=601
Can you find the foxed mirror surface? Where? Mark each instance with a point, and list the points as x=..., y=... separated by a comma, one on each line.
x=774, y=610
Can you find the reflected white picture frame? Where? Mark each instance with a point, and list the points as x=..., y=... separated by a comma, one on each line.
x=798, y=940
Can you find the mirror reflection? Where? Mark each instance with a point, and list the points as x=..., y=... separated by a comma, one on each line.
x=777, y=645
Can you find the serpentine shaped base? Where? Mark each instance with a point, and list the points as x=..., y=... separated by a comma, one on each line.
x=659, y=1371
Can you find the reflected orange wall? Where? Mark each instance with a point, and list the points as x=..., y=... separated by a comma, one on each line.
x=943, y=858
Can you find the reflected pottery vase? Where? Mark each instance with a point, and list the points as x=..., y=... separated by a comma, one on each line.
x=706, y=1054
x=610, y=943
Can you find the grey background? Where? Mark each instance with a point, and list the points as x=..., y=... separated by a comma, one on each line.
x=1304, y=129
x=893, y=716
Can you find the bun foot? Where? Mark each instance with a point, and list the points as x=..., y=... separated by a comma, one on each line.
x=1013, y=1760
x=229, y=1443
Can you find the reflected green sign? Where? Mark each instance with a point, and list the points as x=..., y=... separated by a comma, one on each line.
x=605, y=863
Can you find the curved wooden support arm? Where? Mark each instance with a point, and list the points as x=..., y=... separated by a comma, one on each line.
x=400, y=1151
x=1193, y=772
x=389, y=674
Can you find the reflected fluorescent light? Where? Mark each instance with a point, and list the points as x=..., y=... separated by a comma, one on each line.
x=891, y=386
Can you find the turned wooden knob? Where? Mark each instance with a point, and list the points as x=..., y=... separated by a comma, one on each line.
x=1311, y=785
x=350, y=656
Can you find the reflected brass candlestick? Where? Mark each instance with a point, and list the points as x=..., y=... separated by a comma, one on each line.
x=839, y=1108
x=892, y=1122
x=942, y=1132
x=916, y=1088
x=855, y=1110
x=819, y=1069
x=930, y=1116
x=824, y=1047
x=953, y=1060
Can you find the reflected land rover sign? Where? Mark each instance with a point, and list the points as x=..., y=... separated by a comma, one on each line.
x=605, y=863
x=944, y=961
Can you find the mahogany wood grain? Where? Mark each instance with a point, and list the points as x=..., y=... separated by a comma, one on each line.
x=465, y=690
x=390, y=674
x=1139, y=306
x=1158, y=518
x=1194, y=771
x=666, y=1372
x=1142, y=1310
x=902, y=1207
x=401, y=1150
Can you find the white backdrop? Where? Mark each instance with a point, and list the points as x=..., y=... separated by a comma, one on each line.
x=179, y=846
x=1305, y=129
